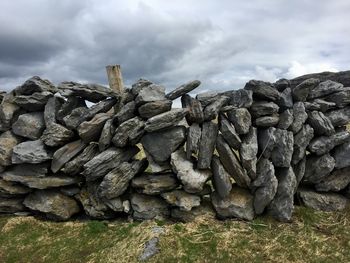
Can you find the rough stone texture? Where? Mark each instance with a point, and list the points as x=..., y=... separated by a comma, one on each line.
x=248, y=152
x=267, y=121
x=68, y=106
x=325, y=88
x=281, y=207
x=339, y=117
x=320, y=123
x=106, y=135
x=161, y=144
x=194, y=107
x=154, y=108
x=281, y=84
x=238, y=204
x=336, y=181
x=231, y=163
x=282, y=153
x=90, y=92
x=150, y=93
x=241, y=98
x=211, y=111
x=12, y=205
x=229, y=133
x=126, y=112
x=136, y=87
x=193, y=137
x=117, y=180
x=341, y=155
x=30, y=152
x=91, y=130
x=205, y=210
x=207, y=144
x=29, y=125
x=300, y=116
x=264, y=186
x=181, y=199
x=286, y=100
x=8, y=112
x=341, y=98
x=54, y=204
x=154, y=184
x=301, y=141
x=7, y=142
x=318, y=167
x=10, y=189
x=33, y=102
x=165, y=120
x=263, y=108
x=192, y=179
x=323, y=105
x=129, y=131
x=262, y=90
x=221, y=178
x=302, y=90
x=35, y=84
x=341, y=77
x=299, y=170
x=323, y=144
x=322, y=201
x=104, y=162
x=148, y=207
x=56, y=135
x=183, y=89
x=75, y=166
x=241, y=119
x=52, y=107
x=206, y=98
x=157, y=167
x=285, y=119
x=65, y=154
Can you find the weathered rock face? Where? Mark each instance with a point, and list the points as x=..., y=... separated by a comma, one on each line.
x=336, y=181
x=91, y=130
x=183, y=89
x=341, y=155
x=56, y=135
x=181, y=199
x=129, y=131
x=35, y=84
x=10, y=189
x=117, y=181
x=211, y=111
x=192, y=179
x=8, y=112
x=231, y=163
x=194, y=107
x=7, y=142
x=205, y=210
x=106, y=135
x=262, y=90
x=240, y=98
x=238, y=204
x=263, y=108
x=341, y=98
x=29, y=125
x=318, y=167
x=33, y=102
x=229, y=133
x=221, y=178
x=281, y=207
x=150, y=93
x=241, y=119
x=325, y=88
x=193, y=137
x=324, y=144
x=30, y=152
x=12, y=205
x=300, y=116
x=267, y=121
x=54, y=204
x=264, y=186
x=155, y=184
x=320, y=123
x=248, y=152
x=301, y=91
x=301, y=141
x=154, y=108
x=207, y=144
x=165, y=120
x=161, y=144
x=322, y=201
x=339, y=117
x=148, y=207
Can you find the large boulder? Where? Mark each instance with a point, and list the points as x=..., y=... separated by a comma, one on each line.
x=150, y=93
x=325, y=88
x=33, y=102
x=53, y=203
x=238, y=204
x=262, y=90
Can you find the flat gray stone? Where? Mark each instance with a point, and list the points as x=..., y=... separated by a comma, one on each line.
x=52, y=107
x=286, y=100
x=229, y=133
x=165, y=120
x=150, y=93
x=148, y=207
x=341, y=155
x=35, y=84
x=138, y=85
x=267, y=121
x=91, y=130
x=262, y=90
x=129, y=132
x=300, y=116
x=10, y=189
x=161, y=144
x=126, y=112
x=263, y=108
x=264, y=186
x=285, y=119
x=183, y=89
x=53, y=203
x=154, y=108
x=29, y=125
x=155, y=184
x=8, y=141
x=301, y=141
x=241, y=98
x=33, y=102
x=157, y=167
x=207, y=144
x=56, y=135
x=30, y=152
x=325, y=88
x=322, y=201
x=238, y=204
x=65, y=154
x=339, y=117
x=221, y=178
x=341, y=98
x=211, y=111
x=192, y=179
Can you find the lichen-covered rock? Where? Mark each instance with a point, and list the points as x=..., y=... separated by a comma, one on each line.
x=322, y=201
x=192, y=179
x=31, y=152
x=320, y=123
x=300, y=116
x=241, y=98
x=192, y=142
x=165, y=120
x=238, y=204
x=336, y=181
x=318, y=167
x=148, y=207
x=341, y=155
x=207, y=144
x=161, y=144
x=53, y=203
x=181, y=199
x=7, y=142
x=154, y=184
x=29, y=125
x=264, y=186
x=339, y=117
x=241, y=119
x=248, y=152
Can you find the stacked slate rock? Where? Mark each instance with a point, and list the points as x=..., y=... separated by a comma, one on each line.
x=81, y=149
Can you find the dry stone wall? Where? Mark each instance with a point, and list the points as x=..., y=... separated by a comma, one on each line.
x=236, y=154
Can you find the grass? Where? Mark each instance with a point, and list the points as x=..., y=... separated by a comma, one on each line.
x=312, y=237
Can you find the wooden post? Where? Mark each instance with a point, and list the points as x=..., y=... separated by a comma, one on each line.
x=115, y=78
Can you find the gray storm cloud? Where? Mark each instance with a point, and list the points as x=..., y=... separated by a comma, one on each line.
x=222, y=43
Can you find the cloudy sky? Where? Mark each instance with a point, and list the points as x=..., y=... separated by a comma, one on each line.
x=222, y=43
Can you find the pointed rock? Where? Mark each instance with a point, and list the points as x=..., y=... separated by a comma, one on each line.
x=207, y=144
